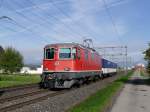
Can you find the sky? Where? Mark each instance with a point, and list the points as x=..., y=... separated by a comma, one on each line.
x=34, y=23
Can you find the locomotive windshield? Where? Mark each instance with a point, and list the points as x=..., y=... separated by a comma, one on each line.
x=49, y=53
x=65, y=53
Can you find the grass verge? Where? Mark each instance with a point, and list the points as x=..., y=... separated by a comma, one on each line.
x=98, y=101
x=146, y=76
x=15, y=80
x=142, y=73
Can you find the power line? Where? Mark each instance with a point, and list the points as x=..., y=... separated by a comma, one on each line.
x=122, y=51
x=55, y=18
x=7, y=18
x=111, y=19
x=8, y=28
x=44, y=20
x=23, y=27
x=31, y=7
x=16, y=23
x=1, y=3
x=27, y=18
x=116, y=2
x=69, y=28
x=66, y=15
x=60, y=1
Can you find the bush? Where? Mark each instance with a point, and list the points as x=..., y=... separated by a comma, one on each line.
x=147, y=58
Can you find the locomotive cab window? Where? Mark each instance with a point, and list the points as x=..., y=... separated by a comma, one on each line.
x=78, y=54
x=92, y=55
x=65, y=53
x=86, y=54
x=74, y=53
x=49, y=53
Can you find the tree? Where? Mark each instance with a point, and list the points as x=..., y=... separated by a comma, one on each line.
x=1, y=49
x=147, y=58
x=11, y=60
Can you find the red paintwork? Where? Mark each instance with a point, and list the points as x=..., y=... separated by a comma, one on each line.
x=77, y=65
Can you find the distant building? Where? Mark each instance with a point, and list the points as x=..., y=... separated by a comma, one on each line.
x=28, y=70
x=140, y=66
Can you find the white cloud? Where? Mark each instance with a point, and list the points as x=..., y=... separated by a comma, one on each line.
x=83, y=23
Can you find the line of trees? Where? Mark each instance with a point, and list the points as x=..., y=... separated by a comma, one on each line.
x=11, y=60
x=147, y=58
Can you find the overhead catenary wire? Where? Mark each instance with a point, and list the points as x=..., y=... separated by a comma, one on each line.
x=7, y=18
x=44, y=20
x=1, y=3
x=12, y=30
x=116, y=31
x=28, y=19
x=10, y=19
x=23, y=27
x=61, y=1
x=67, y=26
x=55, y=18
x=66, y=15
x=29, y=8
x=112, y=20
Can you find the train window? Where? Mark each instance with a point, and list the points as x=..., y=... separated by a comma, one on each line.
x=74, y=53
x=79, y=54
x=92, y=56
x=64, y=53
x=49, y=53
x=86, y=54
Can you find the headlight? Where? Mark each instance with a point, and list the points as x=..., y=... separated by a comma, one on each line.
x=45, y=69
x=66, y=69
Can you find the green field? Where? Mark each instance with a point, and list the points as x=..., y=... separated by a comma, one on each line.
x=98, y=101
x=15, y=80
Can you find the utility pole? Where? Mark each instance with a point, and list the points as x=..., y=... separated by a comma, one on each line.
x=112, y=52
x=126, y=58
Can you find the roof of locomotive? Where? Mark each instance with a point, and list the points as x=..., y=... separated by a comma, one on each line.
x=62, y=44
x=71, y=45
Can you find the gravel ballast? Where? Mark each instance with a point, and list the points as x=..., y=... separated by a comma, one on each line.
x=63, y=102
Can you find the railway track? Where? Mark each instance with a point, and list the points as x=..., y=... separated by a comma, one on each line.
x=40, y=96
x=6, y=99
x=10, y=89
x=19, y=105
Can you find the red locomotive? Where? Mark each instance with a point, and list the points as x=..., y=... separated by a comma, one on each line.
x=66, y=64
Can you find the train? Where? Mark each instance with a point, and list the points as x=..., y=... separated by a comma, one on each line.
x=69, y=64
x=109, y=68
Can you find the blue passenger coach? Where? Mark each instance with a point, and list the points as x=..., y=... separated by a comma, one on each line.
x=108, y=67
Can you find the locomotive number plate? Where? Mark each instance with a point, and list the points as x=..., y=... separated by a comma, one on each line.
x=56, y=63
